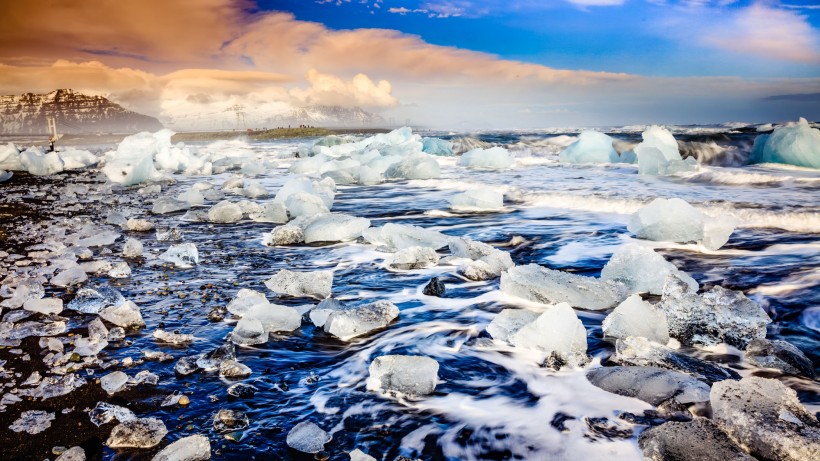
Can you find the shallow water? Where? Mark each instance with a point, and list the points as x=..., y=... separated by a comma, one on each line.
x=492, y=402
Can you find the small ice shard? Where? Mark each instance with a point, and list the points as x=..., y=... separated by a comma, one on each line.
x=348, y=322
x=674, y=220
x=642, y=270
x=46, y=306
x=307, y=438
x=315, y=284
x=414, y=166
x=794, y=144
x=635, y=317
x=137, y=433
x=233, y=369
x=25, y=290
x=225, y=212
x=642, y=352
x=493, y=158
x=591, y=147
x=230, y=420
x=126, y=315
x=120, y=270
x=335, y=227
x=244, y=300
x=72, y=454
x=104, y=413
x=92, y=301
x=213, y=359
x=477, y=200
x=24, y=330
x=165, y=205
x=191, y=448
x=508, y=322
x=275, y=318
x=254, y=189
x=88, y=347
x=434, y=287
x=305, y=204
x=558, y=333
x=407, y=374
x=413, y=258
x=781, y=355
x=114, y=382
x=699, y=439
x=716, y=316
x=248, y=332
x=139, y=225
x=650, y=384
x=69, y=277
x=33, y=422
x=547, y=286
x=400, y=236
x=766, y=417
x=183, y=255
x=172, y=338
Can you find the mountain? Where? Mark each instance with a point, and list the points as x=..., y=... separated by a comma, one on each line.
x=328, y=117
x=74, y=112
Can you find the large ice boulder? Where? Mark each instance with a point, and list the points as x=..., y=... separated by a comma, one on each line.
x=492, y=158
x=305, y=204
x=547, y=286
x=485, y=262
x=315, y=284
x=715, y=316
x=674, y=220
x=635, y=317
x=795, y=144
x=225, y=212
x=436, y=146
x=274, y=317
x=765, y=416
x=642, y=270
x=40, y=164
x=133, y=161
x=413, y=258
x=508, y=322
x=77, y=159
x=591, y=147
x=348, y=322
x=650, y=384
x=558, y=333
x=658, y=154
x=191, y=448
x=405, y=374
x=183, y=255
x=335, y=227
x=415, y=166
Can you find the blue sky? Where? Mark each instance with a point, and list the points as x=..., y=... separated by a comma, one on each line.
x=653, y=38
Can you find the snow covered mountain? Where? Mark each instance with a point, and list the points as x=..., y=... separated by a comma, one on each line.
x=74, y=112
x=329, y=117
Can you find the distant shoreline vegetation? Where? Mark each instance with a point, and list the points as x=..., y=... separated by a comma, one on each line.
x=277, y=133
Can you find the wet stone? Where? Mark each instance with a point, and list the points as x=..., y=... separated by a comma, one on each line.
x=781, y=355
x=700, y=440
x=137, y=433
x=434, y=287
x=230, y=420
x=242, y=391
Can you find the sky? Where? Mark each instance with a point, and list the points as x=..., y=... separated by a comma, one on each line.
x=452, y=64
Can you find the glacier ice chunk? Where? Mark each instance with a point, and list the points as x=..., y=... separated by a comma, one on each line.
x=244, y=300
x=191, y=448
x=126, y=315
x=508, y=322
x=642, y=270
x=558, y=332
x=415, y=166
x=635, y=317
x=795, y=144
x=307, y=438
x=547, y=286
x=413, y=258
x=137, y=433
x=315, y=284
x=674, y=220
x=348, y=322
x=477, y=200
x=40, y=164
x=493, y=158
x=400, y=236
x=591, y=147
x=437, y=146
x=114, y=382
x=225, y=212
x=183, y=255
x=248, y=332
x=406, y=374
x=45, y=306
x=335, y=227
x=642, y=352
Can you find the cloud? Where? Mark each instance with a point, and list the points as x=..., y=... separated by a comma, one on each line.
x=329, y=89
x=767, y=31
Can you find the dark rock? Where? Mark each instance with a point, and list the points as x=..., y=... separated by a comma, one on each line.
x=781, y=355
x=435, y=288
x=698, y=440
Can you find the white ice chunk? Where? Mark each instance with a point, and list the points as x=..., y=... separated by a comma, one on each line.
x=137, y=433
x=591, y=147
x=275, y=318
x=335, y=228
x=305, y=204
x=40, y=164
x=348, y=322
x=675, y=220
x=132, y=248
x=413, y=258
x=254, y=189
x=795, y=144
x=32, y=422
x=271, y=212
x=114, y=382
x=307, y=438
x=244, y=300
x=69, y=277
x=183, y=255
x=400, y=236
x=406, y=374
x=642, y=270
x=45, y=306
x=312, y=284
x=508, y=322
x=557, y=332
x=191, y=448
x=139, y=225
x=493, y=158
x=126, y=315
x=225, y=212
x=415, y=166
x=248, y=332
x=635, y=317
x=547, y=286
